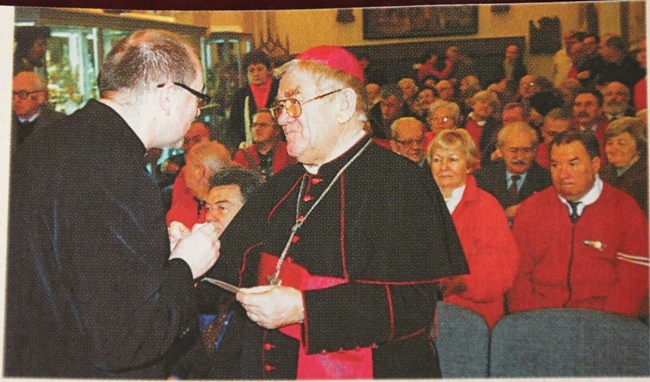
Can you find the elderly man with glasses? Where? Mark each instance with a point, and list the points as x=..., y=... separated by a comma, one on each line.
x=29, y=107
x=337, y=266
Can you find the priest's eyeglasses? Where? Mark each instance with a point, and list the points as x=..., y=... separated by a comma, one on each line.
x=292, y=106
x=204, y=99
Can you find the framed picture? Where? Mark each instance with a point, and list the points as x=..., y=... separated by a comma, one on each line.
x=420, y=21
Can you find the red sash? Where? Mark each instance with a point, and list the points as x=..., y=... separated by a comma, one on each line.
x=345, y=364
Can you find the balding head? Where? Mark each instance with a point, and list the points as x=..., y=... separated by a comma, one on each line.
x=407, y=138
x=197, y=133
x=29, y=94
x=201, y=162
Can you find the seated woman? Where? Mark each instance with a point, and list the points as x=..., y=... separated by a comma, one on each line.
x=627, y=166
x=482, y=227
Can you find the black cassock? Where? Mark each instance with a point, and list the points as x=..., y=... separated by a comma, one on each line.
x=369, y=254
x=90, y=292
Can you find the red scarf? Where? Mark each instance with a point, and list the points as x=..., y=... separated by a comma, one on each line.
x=261, y=93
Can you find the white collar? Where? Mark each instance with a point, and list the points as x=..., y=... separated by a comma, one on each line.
x=453, y=201
x=589, y=198
x=30, y=119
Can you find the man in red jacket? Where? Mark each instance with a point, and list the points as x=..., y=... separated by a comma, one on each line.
x=268, y=154
x=582, y=241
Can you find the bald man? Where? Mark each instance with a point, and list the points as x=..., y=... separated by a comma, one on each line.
x=29, y=107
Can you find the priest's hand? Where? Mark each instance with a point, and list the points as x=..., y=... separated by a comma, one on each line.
x=272, y=306
x=199, y=249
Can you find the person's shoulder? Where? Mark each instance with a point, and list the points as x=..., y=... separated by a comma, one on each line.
x=540, y=199
x=490, y=174
x=538, y=171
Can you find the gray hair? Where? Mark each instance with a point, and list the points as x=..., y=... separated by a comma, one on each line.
x=452, y=106
x=517, y=128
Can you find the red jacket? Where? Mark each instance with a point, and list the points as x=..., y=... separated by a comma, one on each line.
x=558, y=269
x=490, y=250
x=280, y=157
x=185, y=207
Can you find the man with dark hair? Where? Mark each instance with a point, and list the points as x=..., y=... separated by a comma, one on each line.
x=619, y=65
x=579, y=239
x=593, y=62
x=331, y=290
x=92, y=288
x=555, y=122
x=259, y=93
x=230, y=189
x=588, y=115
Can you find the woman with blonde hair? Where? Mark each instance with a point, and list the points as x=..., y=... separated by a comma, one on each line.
x=482, y=227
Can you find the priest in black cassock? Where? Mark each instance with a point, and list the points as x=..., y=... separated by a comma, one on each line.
x=337, y=255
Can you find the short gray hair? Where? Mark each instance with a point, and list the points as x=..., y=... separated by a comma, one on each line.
x=517, y=128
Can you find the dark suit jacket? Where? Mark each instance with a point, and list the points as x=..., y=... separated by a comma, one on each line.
x=633, y=181
x=492, y=178
x=20, y=133
x=90, y=290
x=237, y=131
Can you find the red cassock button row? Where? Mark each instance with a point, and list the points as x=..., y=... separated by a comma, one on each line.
x=268, y=346
x=269, y=368
x=316, y=180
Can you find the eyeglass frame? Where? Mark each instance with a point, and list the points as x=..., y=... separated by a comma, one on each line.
x=409, y=142
x=26, y=94
x=203, y=98
x=281, y=102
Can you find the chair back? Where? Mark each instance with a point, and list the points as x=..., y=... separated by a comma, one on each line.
x=569, y=343
x=462, y=342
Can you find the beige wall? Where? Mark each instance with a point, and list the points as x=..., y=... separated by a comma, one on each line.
x=307, y=28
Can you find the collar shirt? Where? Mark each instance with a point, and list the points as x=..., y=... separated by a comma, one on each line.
x=589, y=198
x=30, y=119
x=520, y=181
x=453, y=201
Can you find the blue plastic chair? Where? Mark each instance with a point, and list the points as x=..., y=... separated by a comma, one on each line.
x=569, y=343
x=462, y=342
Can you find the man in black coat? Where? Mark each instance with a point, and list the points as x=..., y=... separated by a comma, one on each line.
x=338, y=267
x=518, y=176
x=92, y=288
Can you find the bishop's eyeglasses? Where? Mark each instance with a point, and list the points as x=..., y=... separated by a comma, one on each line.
x=292, y=106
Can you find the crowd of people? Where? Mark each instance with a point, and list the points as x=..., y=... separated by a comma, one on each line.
x=343, y=211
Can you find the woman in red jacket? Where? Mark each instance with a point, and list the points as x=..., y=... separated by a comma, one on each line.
x=482, y=227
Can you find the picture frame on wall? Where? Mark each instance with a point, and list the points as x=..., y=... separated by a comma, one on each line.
x=409, y=22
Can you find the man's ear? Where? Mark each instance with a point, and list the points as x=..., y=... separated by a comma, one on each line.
x=595, y=164
x=347, y=104
x=163, y=96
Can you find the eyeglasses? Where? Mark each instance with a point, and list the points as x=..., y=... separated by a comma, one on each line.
x=441, y=119
x=293, y=106
x=262, y=124
x=410, y=142
x=24, y=95
x=204, y=99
